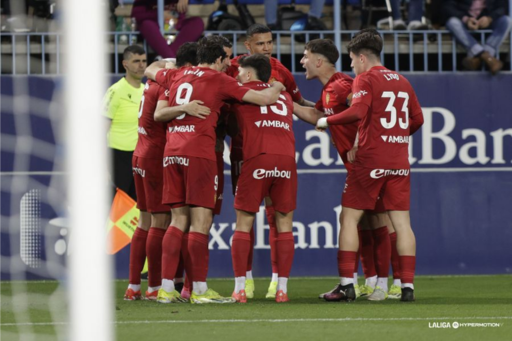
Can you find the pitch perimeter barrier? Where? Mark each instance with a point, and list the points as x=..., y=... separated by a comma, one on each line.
x=461, y=182
x=429, y=50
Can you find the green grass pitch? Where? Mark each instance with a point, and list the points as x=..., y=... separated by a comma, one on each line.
x=440, y=301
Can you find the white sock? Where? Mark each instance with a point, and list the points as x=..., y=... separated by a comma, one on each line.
x=134, y=287
x=178, y=280
x=199, y=287
x=371, y=281
x=355, y=278
x=239, y=283
x=168, y=285
x=346, y=280
x=397, y=282
x=382, y=282
x=274, y=277
x=408, y=285
x=282, y=284
x=153, y=289
x=248, y=274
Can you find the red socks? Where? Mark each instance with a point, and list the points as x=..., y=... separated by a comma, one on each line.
x=407, y=267
x=367, y=254
x=137, y=254
x=358, y=256
x=395, y=258
x=154, y=254
x=251, y=251
x=382, y=249
x=186, y=260
x=346, y=260
x=273, y=235
x=240, y=250
x=199, y=255
x=171, y=249
x=285, y=251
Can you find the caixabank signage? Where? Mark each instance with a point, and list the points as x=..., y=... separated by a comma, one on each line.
x=461, y=184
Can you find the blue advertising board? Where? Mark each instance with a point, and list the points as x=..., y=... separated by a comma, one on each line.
x=461, y=184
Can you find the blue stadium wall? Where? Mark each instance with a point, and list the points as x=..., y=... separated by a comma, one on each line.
x=461, y=194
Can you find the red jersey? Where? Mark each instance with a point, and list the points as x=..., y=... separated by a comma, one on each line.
x=334, y=101
x=151, y=140
x=279, y=73
x=393, y=115
x=266, y=129
x=188, y=135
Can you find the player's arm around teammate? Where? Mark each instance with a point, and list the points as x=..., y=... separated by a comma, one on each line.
x=382, y=158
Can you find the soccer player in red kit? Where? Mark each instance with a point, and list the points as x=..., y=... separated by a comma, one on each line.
x=259, y=40
x=320, y=56
x=389, y=111
x=190, y=164
x=269, y=170
x=148, y=177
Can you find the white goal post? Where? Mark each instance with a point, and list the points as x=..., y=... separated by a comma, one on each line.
x=85, y=73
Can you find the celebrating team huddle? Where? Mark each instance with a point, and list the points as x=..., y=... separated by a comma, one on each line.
x=189, y=107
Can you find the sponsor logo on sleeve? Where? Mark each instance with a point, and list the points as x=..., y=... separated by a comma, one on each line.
x=360, y=94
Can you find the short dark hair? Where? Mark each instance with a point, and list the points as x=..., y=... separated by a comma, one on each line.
x=209, y=50
x=257, y=29
x=187, y=54
x=260, y=63
x=221, y=40
x=325, y=47
x=132, y=49
x=367, y=40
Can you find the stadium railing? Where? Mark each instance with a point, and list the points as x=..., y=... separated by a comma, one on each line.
x=423, y=51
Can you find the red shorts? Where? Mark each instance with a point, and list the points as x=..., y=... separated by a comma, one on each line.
x=190, y=180
x=364, y=186
x=267, y=174
x=148, y=177
x=236, y=157
x=220, y=187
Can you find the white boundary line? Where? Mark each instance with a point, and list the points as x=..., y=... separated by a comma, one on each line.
x=346, y=319
x=328, y=171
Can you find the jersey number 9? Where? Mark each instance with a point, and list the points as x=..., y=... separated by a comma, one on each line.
x=183, y=95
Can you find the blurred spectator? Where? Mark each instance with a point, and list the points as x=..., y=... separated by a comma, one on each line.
x=146, y=15
x=436, y=14
x=414, y=17
x=14, y=16
x=314, y=14
x=470, y=15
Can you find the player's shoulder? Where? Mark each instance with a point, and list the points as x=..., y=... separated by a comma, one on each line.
x=235, y=60
x=120, y=84
x=223, y=77
x=288, y=97
x=259, y=85
x=339, y=81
